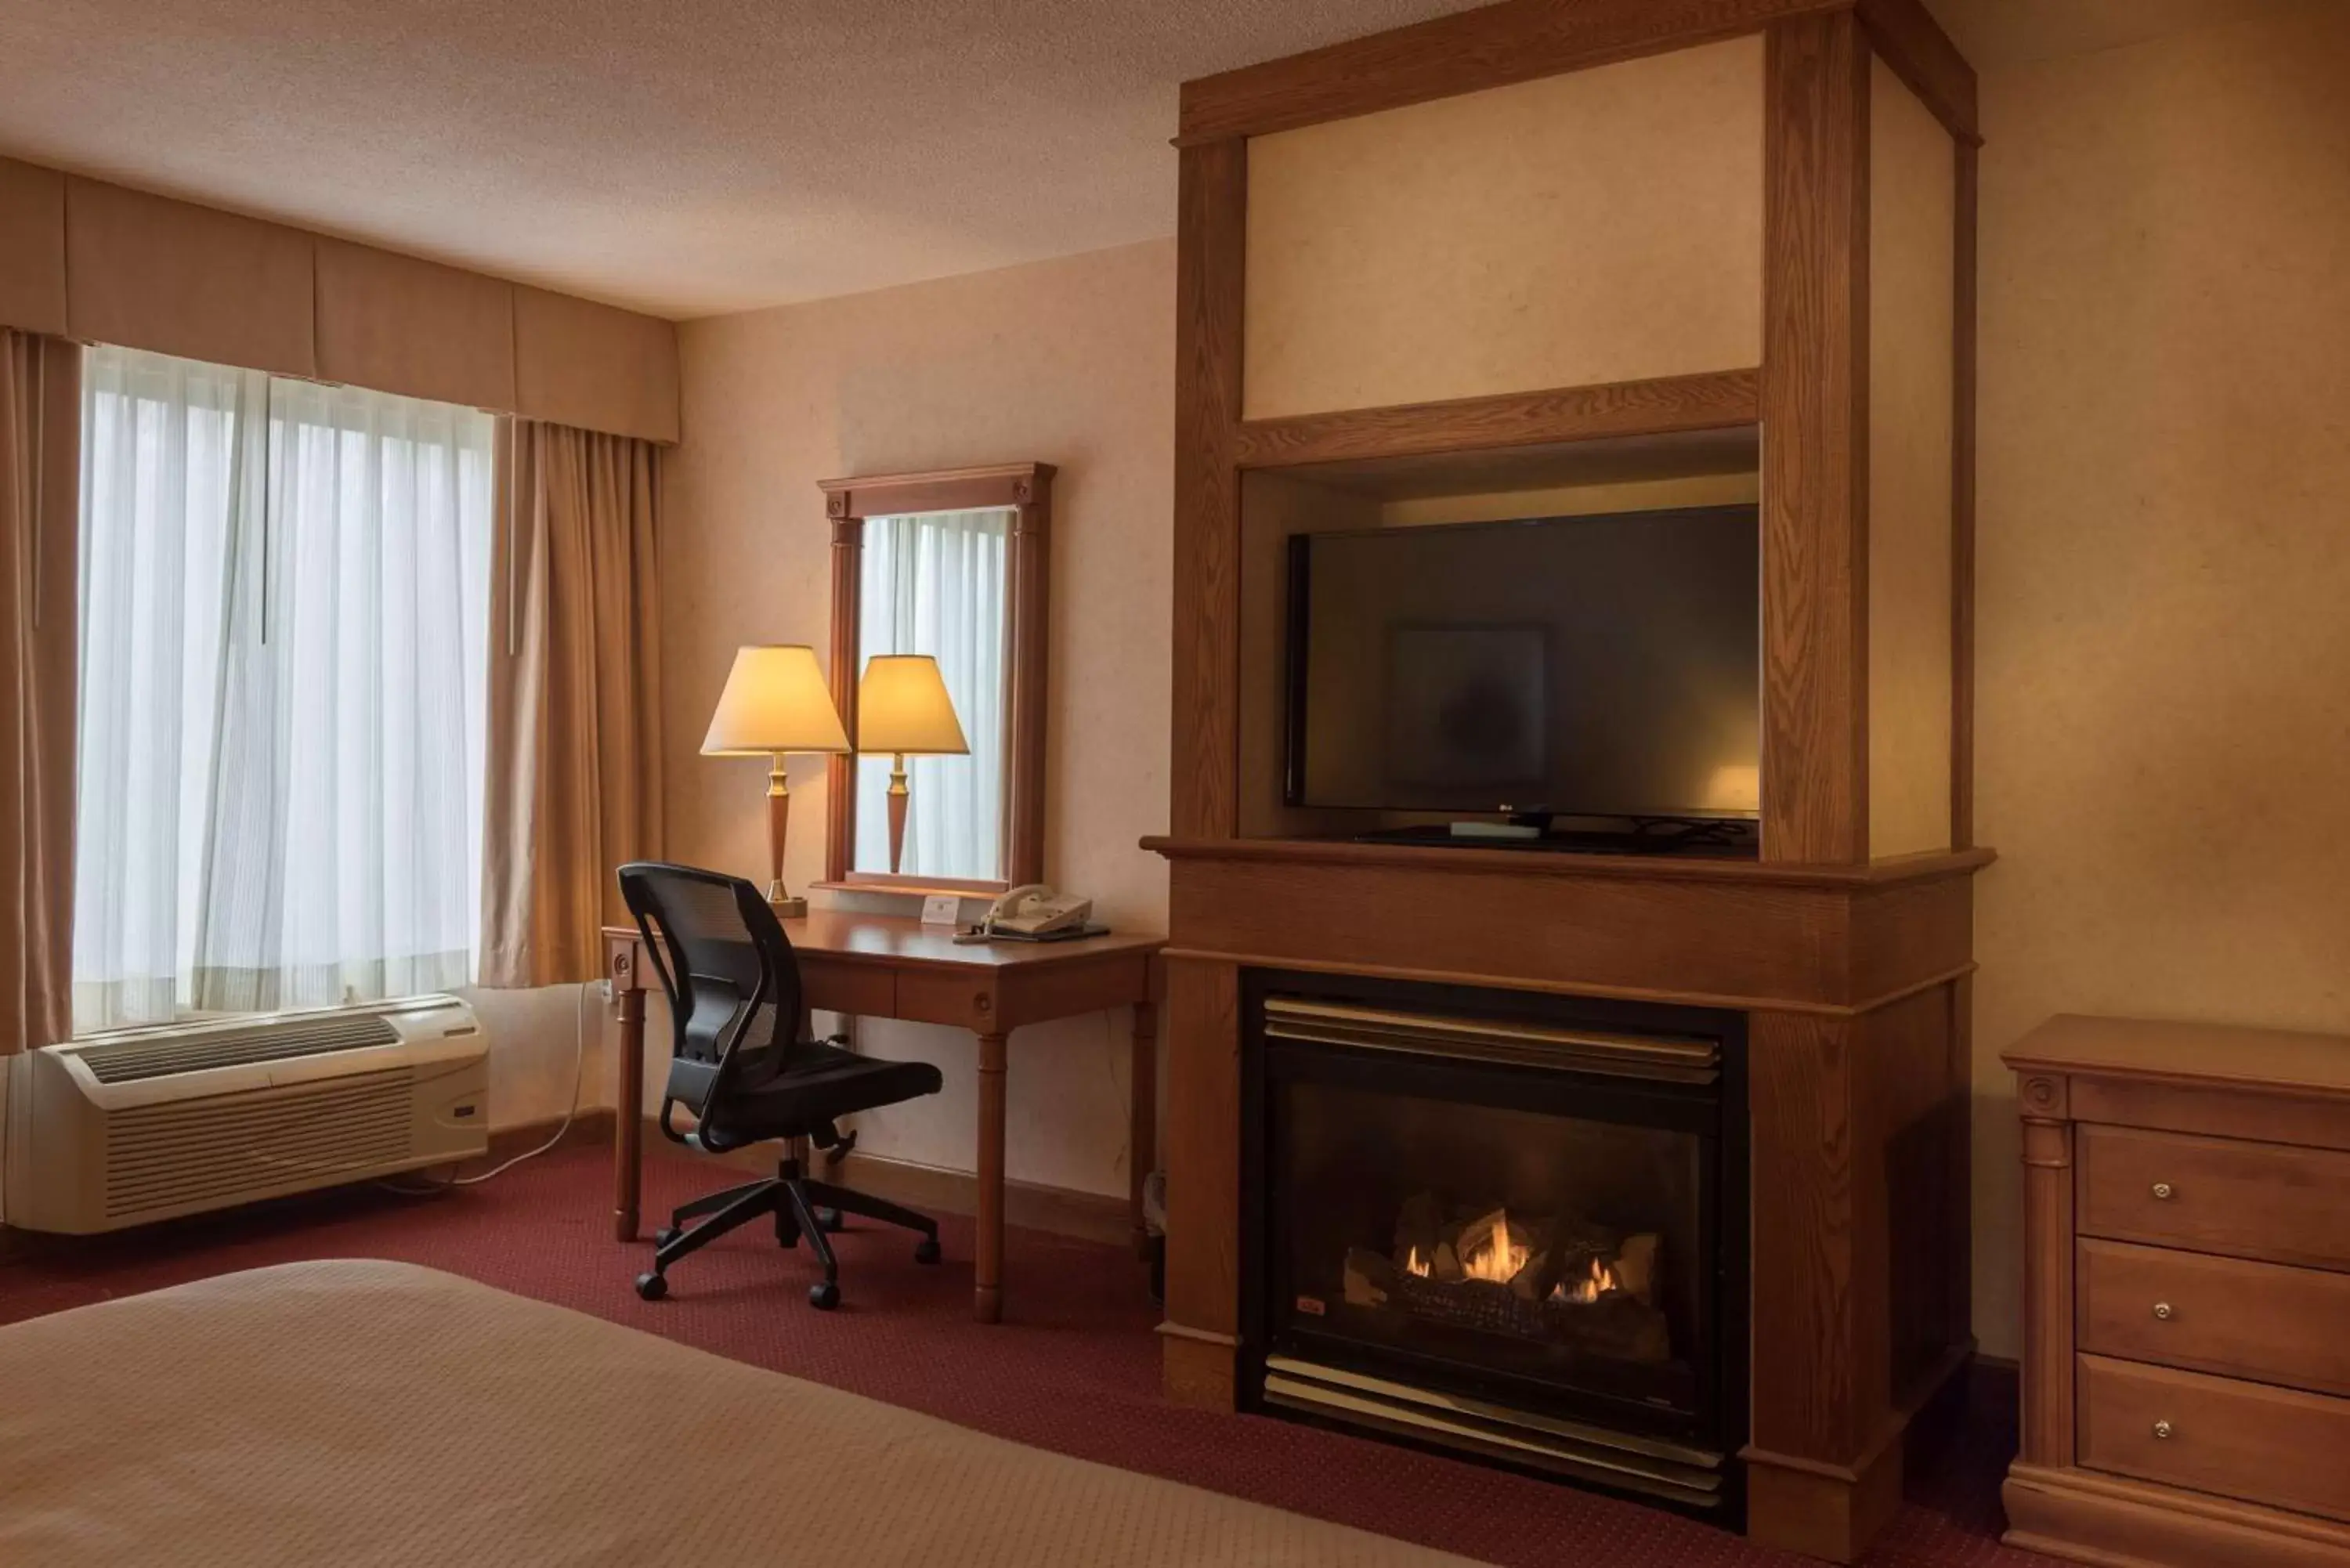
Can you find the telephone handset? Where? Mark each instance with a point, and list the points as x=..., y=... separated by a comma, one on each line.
x=1035, y=911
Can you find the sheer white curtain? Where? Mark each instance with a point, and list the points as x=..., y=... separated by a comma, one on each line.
x=285, y=616
x=935, y=583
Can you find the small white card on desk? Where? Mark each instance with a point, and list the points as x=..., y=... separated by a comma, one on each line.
x=942, y=909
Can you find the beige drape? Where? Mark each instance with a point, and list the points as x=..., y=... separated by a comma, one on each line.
x=40, y=446
x=574, y=764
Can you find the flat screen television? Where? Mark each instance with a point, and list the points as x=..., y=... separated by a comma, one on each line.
x=1585, y=666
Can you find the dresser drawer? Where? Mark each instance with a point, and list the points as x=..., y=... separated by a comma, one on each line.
x=2270, y=1321
x=2244, y=1440
x=2216, y=1195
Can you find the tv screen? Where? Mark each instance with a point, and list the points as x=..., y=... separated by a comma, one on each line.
x=1600, y=666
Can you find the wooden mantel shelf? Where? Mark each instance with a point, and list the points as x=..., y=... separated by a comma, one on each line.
x=1934, y=867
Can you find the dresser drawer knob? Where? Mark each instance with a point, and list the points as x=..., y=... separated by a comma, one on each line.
x=2162, y=1189
x=2162, y=1311
x=2162, y=1428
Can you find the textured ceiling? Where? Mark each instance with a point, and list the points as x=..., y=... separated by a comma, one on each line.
x=694, y=156
x=681, y=156
x=1994, y=34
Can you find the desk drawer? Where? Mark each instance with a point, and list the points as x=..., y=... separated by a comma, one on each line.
x=2263, y=1321
x=954, y=997
x=832, y=986
x=2244, y=1440
x=2216, y=1195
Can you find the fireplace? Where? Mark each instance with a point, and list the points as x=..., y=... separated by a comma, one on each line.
x=1503, y=1224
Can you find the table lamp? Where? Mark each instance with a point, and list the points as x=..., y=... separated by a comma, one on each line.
x=775, y=704
x=902, y=707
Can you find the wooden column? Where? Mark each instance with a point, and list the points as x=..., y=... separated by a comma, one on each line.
x=1203, y=1118
x=987, y=1250
x=1212, y=251
x=1823, y=1467
x=620, y=970
x=2048, y=1298
x=1815, y=442
x=1142, y=1112
x=1031, y=552
x=840, y=773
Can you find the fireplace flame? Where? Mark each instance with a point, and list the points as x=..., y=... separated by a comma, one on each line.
x=1414, y=1264
x=1499, y=1258
x=1596, y=1283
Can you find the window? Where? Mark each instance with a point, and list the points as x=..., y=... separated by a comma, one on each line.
x=935, y=583
x=283, y=622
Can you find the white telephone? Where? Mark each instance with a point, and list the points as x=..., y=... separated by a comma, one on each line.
x=1035, y=911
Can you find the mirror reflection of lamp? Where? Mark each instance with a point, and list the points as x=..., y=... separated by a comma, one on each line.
x=902, y=707
x=775, y=704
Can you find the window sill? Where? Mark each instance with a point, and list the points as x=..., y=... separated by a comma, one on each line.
x=912, y=886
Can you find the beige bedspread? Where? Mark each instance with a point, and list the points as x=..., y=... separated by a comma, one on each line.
x=373, y=1413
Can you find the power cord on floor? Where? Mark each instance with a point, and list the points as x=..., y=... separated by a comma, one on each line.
x=578, y=1079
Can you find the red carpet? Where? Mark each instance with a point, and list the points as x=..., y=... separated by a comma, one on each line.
x=1075, y=1366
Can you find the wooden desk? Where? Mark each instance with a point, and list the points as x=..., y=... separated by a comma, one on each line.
x=891, y=966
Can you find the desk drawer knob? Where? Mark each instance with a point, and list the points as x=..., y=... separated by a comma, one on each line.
x=2162, y=1191
x=2162, y=1428
x=2162, y=1311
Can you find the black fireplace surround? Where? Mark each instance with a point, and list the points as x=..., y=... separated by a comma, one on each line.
x=1499, y=1223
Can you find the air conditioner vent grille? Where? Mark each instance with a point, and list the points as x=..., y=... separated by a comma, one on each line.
x=133, y=1059
x=229, y=1147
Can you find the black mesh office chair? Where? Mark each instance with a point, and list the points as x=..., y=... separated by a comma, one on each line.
x=742, y=1069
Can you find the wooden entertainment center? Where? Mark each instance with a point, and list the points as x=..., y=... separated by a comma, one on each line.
x=1759, y=271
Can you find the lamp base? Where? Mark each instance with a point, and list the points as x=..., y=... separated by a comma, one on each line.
x=787, y=907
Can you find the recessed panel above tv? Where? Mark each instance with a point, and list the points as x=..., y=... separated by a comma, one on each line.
x=1585, y=666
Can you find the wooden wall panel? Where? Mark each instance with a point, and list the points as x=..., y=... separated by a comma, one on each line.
x=1717, y=944
x=1915, y=1119
x=1598, y=227
x=1211, y=215
x=1202, y=1047
x=1715, y=399
x=1810, y=1379
x=1815, y=462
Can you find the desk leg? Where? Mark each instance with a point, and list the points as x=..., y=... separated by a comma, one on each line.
x=628, y=1115
x=987, y=1268
x=1142, y=1112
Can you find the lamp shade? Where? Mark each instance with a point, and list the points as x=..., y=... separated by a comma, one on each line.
x=775, y=701
x=902, y=706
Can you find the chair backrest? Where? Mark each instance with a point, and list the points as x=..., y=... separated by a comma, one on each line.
x=723, y=961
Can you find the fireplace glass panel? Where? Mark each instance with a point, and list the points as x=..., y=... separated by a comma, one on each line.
x=1492, y=1241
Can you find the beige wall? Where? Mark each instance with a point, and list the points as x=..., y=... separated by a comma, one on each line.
x=2164, y=581
x=1070, y=362
x=1603, y=226
x=1912, y=288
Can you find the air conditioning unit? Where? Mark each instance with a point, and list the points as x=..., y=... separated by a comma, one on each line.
x=135, y=1125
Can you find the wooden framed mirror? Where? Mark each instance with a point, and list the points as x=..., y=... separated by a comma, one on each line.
x=951, y=565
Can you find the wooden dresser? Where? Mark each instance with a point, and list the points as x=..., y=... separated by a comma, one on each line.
x=2186, y=1296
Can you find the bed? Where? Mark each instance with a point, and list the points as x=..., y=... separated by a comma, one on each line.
x=364, y=1413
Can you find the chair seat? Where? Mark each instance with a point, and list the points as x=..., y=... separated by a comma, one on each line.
x=788, y=1092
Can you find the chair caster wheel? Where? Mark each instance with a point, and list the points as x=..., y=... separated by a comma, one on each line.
x=652, y=1287
x=926, y=1250
x=830, y=1219
x=823, y=1297
x=665, y=1235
